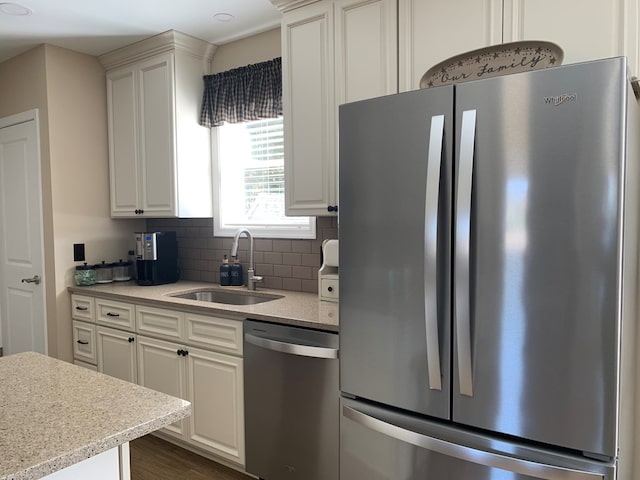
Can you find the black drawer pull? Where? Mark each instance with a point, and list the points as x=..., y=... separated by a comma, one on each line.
x=83, y=342
x=109, y=314
x=82, y=309
x=131, y=339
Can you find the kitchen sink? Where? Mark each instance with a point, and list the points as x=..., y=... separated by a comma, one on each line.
x=227, y=296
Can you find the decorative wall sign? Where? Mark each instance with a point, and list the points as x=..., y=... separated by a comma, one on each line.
x=493, y=61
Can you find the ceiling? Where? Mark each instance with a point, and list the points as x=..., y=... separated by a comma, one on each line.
x=96, y=27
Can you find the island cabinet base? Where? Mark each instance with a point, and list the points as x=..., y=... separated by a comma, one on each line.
x=110, y=465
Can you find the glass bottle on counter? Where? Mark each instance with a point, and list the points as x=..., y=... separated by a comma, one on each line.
x=225, y=273
x=236, y=272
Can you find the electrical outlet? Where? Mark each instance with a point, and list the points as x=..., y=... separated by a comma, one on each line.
x=78, y=252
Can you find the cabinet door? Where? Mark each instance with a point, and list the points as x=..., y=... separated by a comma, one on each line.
x=366, y=46
x=433, y=31
x=309, y=109
x=216, y=392
x=123, y=141
x=161, y=368
x=117, y=353
x=156, y=80
x=585, y=31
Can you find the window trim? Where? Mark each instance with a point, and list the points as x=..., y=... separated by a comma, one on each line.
x=308, y=231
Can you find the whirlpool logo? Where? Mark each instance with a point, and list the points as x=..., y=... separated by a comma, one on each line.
x=561, y=99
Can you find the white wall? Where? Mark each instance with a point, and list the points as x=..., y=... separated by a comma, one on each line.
x=255, y=49
x=69, y=89
x=76, y=94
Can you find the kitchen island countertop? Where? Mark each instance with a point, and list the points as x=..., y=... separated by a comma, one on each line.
x=54, y=414
x=294, y=308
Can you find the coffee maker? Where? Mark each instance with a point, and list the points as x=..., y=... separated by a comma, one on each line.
x=156, y=258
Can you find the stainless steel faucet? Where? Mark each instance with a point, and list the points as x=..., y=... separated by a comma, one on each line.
x=252, y=279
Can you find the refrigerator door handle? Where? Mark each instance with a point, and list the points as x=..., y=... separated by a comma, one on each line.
x=463, y=251
x=291, y=348
x=434, y=162
x=468, y=454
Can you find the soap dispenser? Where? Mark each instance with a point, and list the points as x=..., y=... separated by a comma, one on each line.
x=225, y=273
x=236, y=272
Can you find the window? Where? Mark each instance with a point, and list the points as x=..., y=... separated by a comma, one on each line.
x=249, y=166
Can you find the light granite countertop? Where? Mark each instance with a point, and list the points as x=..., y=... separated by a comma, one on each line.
x=54, y=414
x=293, y=308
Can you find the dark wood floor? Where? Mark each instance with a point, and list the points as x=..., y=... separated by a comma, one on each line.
x=155, y=459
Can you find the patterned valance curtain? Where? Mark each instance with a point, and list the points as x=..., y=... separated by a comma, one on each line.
x=247, y=93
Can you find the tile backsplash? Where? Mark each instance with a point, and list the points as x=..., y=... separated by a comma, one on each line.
x=282, y=263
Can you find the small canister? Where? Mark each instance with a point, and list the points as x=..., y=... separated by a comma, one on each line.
x=85, y=275
x=121, y=271
x=104, y=272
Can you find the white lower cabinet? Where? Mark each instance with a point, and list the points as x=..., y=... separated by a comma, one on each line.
x=187, y=355
x=216, y=391
x=161, y=367
x=117, y=353
x=211, y=381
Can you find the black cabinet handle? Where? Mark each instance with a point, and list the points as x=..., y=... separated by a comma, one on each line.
x=182, y=352
x=82, y=309
x=83, y=343
x=109, y=314
x=330, y=289
x=131, y=339
x=332, y=208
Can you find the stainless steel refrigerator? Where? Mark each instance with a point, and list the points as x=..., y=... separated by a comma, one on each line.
x=488, y=264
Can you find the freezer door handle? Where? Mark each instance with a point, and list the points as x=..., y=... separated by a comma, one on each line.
x=291, y=348
x=481, y=457
x=434, y=162
x=463, y=251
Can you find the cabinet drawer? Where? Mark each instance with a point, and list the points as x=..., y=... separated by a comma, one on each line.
x=82, y=308
x=216, y=333
x=84, y=342
x=115, y=314
x=159, y=322
x=329, y=289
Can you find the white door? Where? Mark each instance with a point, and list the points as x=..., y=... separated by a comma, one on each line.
x=22, y=303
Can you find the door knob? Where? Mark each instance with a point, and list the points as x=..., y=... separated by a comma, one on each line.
x=35, y=279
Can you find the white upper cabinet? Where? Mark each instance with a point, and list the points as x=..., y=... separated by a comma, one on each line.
x=584, y=30
x=431, y=31
x=434, y=30
x=308, y=110
x=366, y=49
x=337, y=51
x=332, y=52
x=159, y=155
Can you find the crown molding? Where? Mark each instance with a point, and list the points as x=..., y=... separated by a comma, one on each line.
x=170, y=40
x=287, y=5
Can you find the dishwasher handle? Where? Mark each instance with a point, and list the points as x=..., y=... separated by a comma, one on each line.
x=291, y=348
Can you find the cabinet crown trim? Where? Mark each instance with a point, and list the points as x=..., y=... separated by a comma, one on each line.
x=171, y=40
x=286, y=5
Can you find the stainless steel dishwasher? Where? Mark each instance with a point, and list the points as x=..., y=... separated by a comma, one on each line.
x=291, y=402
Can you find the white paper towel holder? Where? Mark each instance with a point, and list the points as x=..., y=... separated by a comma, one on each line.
x=328, y=281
